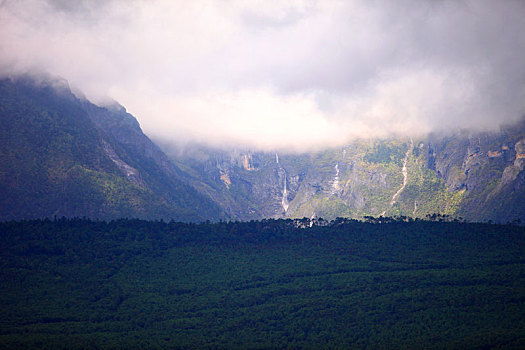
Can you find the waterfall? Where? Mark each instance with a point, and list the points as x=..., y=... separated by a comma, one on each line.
x=335, y=181
x=284, y=200
x=404, y=172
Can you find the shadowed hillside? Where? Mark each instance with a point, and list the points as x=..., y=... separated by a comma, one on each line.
x=61, y=156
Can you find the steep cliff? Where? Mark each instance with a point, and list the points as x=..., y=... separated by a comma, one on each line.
x=474, y=176
x=488, y=167
x=364, y=178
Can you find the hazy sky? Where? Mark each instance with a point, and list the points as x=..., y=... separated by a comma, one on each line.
x=280, y=74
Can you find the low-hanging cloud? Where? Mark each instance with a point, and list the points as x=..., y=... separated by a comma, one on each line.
x=283, y=75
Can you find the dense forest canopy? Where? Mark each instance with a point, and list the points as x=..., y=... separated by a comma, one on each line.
x=78, y=283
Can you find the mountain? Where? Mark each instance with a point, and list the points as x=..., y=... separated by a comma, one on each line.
x=488, y=168
x=475, y=176
x=63, y=156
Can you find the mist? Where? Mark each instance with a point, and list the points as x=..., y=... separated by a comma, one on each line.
x=277, y=75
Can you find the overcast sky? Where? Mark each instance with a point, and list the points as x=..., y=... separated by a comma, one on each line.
x=280, y=74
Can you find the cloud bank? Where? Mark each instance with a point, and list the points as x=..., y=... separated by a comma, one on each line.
x=282, y=75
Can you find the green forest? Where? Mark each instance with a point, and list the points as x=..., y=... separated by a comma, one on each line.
x=381, y=283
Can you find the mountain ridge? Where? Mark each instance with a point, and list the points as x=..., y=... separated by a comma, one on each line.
x=62, y=155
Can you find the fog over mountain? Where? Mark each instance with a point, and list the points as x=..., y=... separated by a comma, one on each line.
x=289, y=75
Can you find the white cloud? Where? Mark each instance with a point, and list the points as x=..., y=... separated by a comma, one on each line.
x=274, y=74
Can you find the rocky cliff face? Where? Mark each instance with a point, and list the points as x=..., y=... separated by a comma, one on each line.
x=354, y=181
x=474, y=176
x=489, y=168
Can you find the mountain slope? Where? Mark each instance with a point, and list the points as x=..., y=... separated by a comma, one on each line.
x=64, y=156
x=476, y=176
x=489, y=168
x=355, y=181
x=60, y=156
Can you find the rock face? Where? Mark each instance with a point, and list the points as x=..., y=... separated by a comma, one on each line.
x=475, y=176
x=63, y=156
x=358, y=180
x=489, y=166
